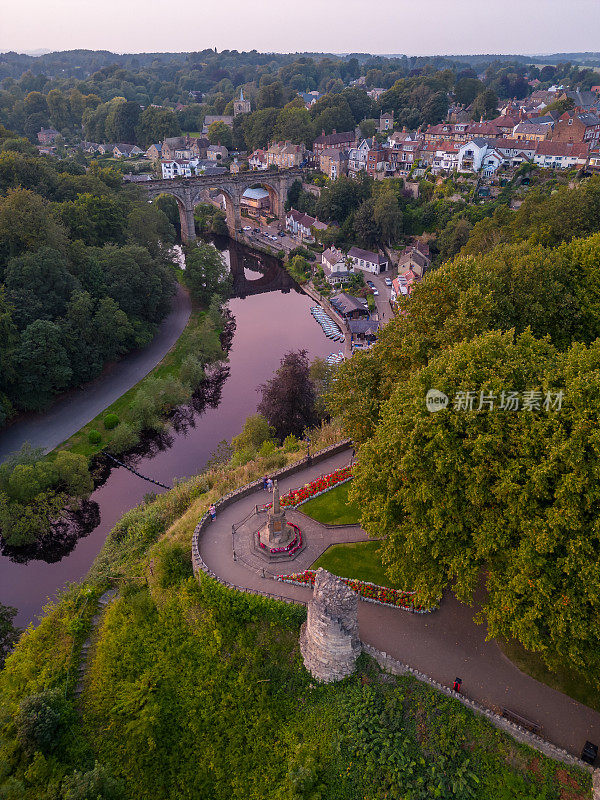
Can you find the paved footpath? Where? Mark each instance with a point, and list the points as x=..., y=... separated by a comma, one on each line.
x=71, y=412
x=443, y=645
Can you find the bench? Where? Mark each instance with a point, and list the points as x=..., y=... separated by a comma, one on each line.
x=512, y=716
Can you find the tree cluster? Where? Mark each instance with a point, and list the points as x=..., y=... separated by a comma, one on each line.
x=84, y=277
x=484, y=493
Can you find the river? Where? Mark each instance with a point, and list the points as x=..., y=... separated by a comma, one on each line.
x=272, y=316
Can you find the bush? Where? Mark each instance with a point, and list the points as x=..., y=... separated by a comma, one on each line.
x=125, y=437
x=111, y=421
x=97, y=784
x=94, y=437
x=267, y=449
x=291, y=444
x=255, y=432
x=40, y=720
x=191, y=372
x=173, y=566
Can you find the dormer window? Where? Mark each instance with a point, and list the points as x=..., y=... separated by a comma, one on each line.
x=570, y=122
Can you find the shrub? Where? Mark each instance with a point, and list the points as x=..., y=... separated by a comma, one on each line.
x=94, y=437
x=291, y=444
x=111, y=421
x=173, y=566
x=267, y=448
x=97, y=784
x=40, y=720
x=125, y=437
x=191, y=372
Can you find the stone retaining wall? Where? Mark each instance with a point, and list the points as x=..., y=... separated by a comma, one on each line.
x=394, y=667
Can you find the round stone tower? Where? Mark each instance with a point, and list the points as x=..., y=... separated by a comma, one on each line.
x=329, y=640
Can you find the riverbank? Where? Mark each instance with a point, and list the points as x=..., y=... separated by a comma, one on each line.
x=48, y=430
x=168, y=367
x=271, y=317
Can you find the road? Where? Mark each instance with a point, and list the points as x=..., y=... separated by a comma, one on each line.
x=384, y=310
x=444, y=644
x=73, y=410
x=262, y=237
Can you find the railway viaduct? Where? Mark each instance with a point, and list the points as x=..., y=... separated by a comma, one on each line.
x=188, y=192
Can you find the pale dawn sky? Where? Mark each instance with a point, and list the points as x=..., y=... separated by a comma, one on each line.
x=338, y=26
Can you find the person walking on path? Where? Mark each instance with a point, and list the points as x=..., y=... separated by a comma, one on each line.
x=269, y=485
x=265, y=483
x=212, y=510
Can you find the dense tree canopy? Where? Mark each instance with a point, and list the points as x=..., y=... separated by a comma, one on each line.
x=84, y=276
x=288, y=398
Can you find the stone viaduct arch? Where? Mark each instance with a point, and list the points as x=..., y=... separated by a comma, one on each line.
x=188, y=192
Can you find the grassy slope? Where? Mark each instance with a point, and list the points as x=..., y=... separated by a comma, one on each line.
x=333, y=507
x=189, y=687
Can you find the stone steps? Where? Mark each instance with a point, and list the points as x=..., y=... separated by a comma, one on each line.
x=103, y=601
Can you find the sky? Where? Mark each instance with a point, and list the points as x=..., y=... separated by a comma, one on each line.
x=337, y=26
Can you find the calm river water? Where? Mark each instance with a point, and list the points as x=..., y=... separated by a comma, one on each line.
x=272, y=316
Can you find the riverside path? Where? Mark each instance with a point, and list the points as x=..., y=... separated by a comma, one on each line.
x=443, y=644
x=73, y=410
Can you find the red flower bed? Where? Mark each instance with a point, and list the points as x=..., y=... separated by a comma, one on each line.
x=295, y=497
x=369, y=591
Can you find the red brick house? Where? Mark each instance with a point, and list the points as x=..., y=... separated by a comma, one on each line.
x=333, y=141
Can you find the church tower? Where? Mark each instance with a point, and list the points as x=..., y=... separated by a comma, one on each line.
x=241, y=106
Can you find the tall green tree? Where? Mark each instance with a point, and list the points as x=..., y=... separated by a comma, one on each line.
x=205, y=274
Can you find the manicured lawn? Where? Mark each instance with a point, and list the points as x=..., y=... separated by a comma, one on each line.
x=359, y=560
x=333, y=507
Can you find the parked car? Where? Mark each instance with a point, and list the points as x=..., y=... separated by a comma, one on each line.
x=370, y=284
x=281, y=233
x=246, y=228
x=375, y=292
x=388, y=281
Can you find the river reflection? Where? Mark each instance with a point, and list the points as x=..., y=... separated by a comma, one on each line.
x=272, y=316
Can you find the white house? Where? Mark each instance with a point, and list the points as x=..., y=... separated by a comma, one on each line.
x=258, y=160
x=471, y=155
x=302, y=225
x=357, y=156
x=334, y=266
x=189, y=167
x=367, y=261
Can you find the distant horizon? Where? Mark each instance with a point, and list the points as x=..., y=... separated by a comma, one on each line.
x=535, y=27
x=43, y=51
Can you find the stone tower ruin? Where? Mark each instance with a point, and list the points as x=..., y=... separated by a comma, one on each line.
x=329, y=640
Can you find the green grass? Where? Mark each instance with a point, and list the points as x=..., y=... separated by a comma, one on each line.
x=169, y=366
x=360, y=560
x=564, y=679
x=333, y=507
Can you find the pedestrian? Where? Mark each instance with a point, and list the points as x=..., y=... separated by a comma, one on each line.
x=212, y=510
x=456, y=685
x=269, y=485
x=265, y=483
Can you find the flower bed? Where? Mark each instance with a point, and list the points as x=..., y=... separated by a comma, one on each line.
x=296, y=497
x=368, y=591
x=290, y=548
